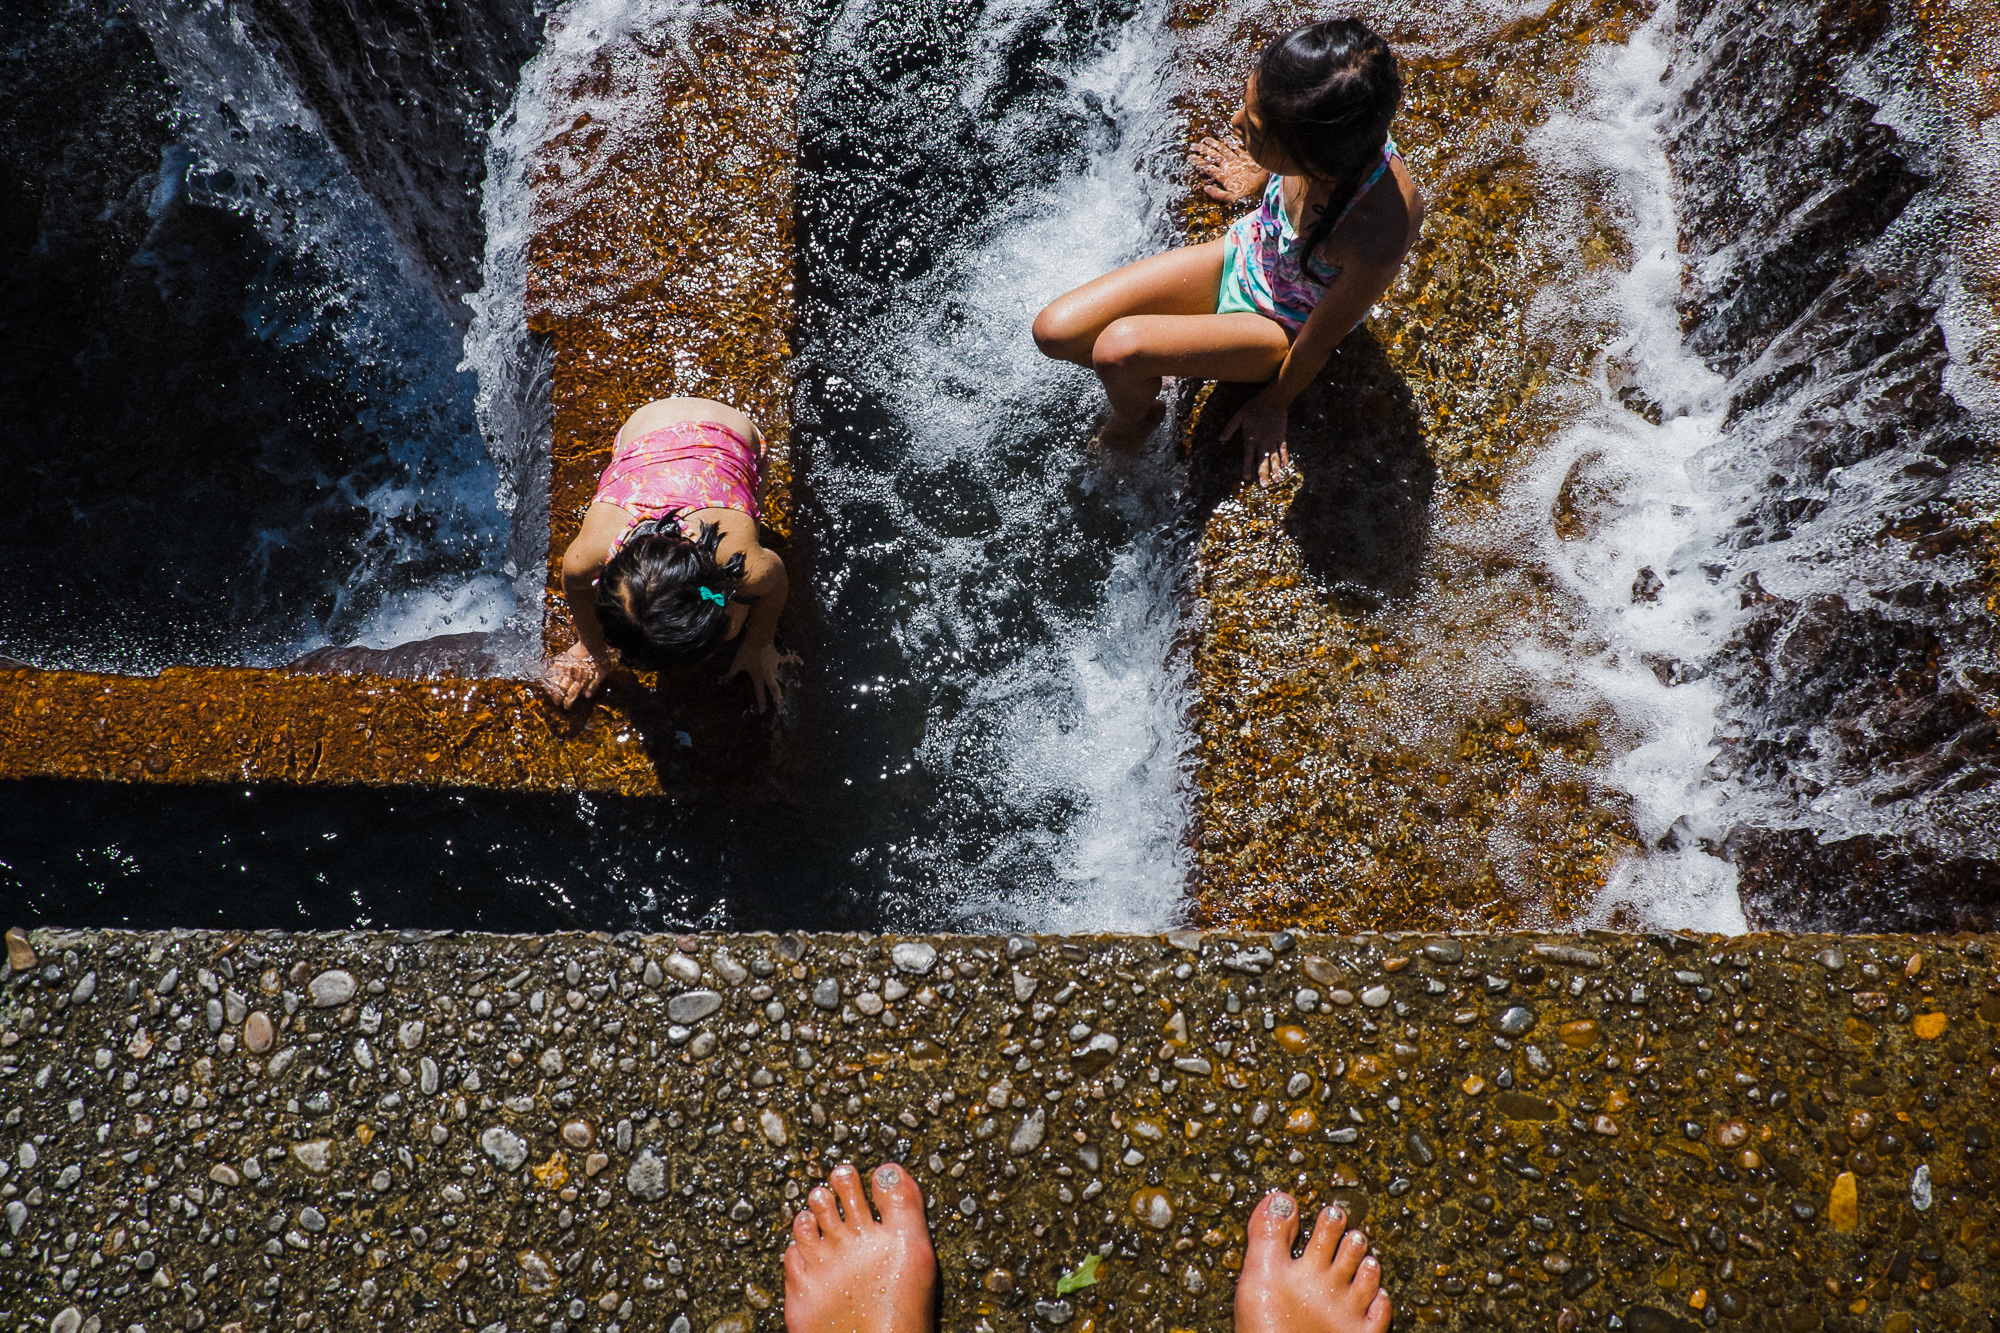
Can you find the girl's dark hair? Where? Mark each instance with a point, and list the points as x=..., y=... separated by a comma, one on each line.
x=649, y=598
x=1325, y=95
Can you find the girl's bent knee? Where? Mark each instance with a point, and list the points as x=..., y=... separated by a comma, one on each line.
x=1118, y=347
x=1054, y=334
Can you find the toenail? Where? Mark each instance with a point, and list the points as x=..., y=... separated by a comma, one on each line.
x=887, y=1174
x=1282, y=1205
x=1334, y=1215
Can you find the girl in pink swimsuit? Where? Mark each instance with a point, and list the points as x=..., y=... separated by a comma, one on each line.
x=1268, y=302
x=668, y=566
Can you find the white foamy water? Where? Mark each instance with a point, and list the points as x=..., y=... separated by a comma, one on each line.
x=1055, y=727
x=1652, y=614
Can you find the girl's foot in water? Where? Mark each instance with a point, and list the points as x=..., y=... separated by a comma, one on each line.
x=1334, y=1287
x=1120, y=437
x=845, y=1272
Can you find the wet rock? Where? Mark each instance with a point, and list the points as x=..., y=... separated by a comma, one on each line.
x=67, y=1320
x=914, y=957
x=1027, y=1136
x=1375, y=997
x=1516, y=1020
x=1831, y=958
x=1920, y=1188
x=1054, y=1312
x=726, y=967
x=681, y=968
x=1095, y=1054
x=999, y=1281
x=312, y=1219
x=869, y=1003
x=331, y=989
x=508, y=1150
x=826, y=994
x=773, y=1126
x=1153, y=1209
x=1843, y=1205
x=20, y=953
x=1568, y=956
x=1024, y=987
x=410, y=1034
x=225, y=1175
x=577, y=1133
x=315, y=1155
x=258, y=1032
x=84, y=989
x=1019, y=947
x=692, y=1006
x=1444, y=951
x=647, y=1177
x=1251, y=961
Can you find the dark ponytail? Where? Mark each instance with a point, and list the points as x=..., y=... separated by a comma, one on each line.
x=1325, y=95
x=650, y=598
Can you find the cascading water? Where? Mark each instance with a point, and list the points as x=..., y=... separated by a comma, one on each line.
x=1001, y=614
x=299, y=461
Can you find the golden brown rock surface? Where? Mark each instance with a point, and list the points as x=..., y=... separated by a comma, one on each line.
x=1359, y=759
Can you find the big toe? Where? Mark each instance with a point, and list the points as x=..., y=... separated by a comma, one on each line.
x=1274, y=1225
x=896, y=1196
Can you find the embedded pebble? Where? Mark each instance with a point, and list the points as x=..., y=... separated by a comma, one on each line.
x=577, y=1133
x=691, y=1006
x=315, y=1155
x=1517, y=1020
x=331, y=988
x=1444, y=951
x=258, y=1033
x=1027, y=1135
x=914, y=957
x=826, y=994
x=647, y=1176
x=726, y=967
x=20, y=953
x=508, y=1150
x=1375, y=996
x=410, y=1034
x=681, y=968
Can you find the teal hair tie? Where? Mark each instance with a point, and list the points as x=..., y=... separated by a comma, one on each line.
x=715, y=597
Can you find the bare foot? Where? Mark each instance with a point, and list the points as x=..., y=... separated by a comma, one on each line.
x=845, y=1272
x=1334, y=1287
x=1125, y=437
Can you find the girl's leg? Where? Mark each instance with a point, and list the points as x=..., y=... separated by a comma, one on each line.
x=1132, y=353
x=1187, y=281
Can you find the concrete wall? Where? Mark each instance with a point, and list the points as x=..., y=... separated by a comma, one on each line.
x=585, y=1132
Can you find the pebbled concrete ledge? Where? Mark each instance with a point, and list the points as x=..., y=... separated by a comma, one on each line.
x=578, y=1132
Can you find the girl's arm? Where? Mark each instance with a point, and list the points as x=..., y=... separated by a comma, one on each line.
x=1367, y=268
x=582, y=671
x=758, y=657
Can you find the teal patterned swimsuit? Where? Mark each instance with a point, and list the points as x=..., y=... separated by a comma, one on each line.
x=1263, y=269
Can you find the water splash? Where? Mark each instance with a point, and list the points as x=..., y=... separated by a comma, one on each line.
x=428, y=556
x=1031, y=603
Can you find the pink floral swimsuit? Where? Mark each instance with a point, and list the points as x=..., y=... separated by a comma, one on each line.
x=687, y=466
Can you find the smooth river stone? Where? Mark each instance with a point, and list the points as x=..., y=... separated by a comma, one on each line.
x=258, y=1032
x=331, y=988
x=690, y=1006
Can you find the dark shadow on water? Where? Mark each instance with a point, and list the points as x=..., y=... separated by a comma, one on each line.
x=1361, y=515
x=334, y=858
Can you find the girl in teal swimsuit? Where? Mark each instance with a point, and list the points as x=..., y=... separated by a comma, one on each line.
x=1269, y=301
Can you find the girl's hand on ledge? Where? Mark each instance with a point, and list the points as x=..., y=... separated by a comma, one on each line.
x=574, y=675
x=1232, y=175
x=1264, y=452
x=761, y=663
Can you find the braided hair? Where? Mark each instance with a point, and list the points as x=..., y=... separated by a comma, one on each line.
x=662, y=600
x=1325, y=95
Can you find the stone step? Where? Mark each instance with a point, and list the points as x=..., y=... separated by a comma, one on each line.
x=569, y=1132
